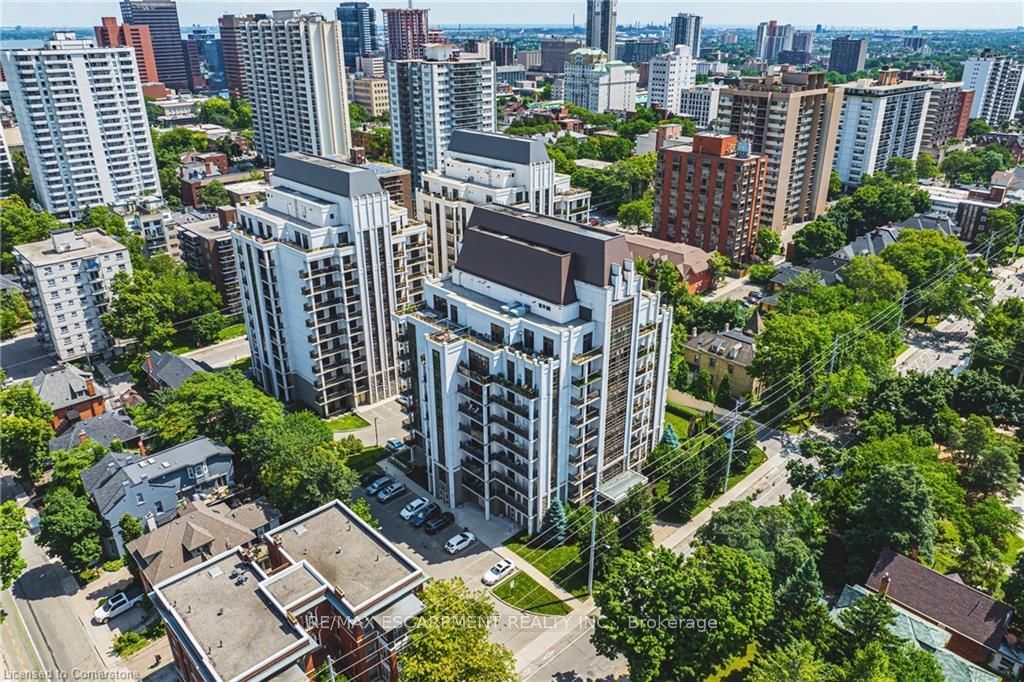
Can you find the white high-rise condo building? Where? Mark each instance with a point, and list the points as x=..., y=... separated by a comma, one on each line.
x=997, y=82
x=490, y=168
x=323, y=264
x=601, y=24
x=67, y=280
x=879, y=120
x=536, y=368
x=295, y=76
x=701, y=104
x=431, y=97
x=83, y=122
x=594, y=83
x=773, y=38
x=669, y=75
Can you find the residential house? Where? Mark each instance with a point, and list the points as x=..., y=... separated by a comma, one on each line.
x=104, y=429
x=200, y=532
x=691, y=261
x=726, y=354
x=150, y=488
x=325, y=590
x=72, y=393
x=978, y=624
x=164, y=369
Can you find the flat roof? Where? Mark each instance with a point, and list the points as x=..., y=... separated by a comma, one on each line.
x=350, y=555
x=226, y=617
x=292, y=583
x=209, y=228
x=94, y=242
x=329, y=175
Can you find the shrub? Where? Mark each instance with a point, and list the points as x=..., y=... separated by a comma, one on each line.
x=113, y=565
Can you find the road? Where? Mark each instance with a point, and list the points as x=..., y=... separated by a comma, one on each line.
x=23, y=357
x=223, y=354
x=46, y=625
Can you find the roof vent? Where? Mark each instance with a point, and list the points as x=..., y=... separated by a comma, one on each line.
x=299, y=529
x=215, y=571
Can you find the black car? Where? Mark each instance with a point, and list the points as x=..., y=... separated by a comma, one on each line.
x=425, y=514
x=439, y=523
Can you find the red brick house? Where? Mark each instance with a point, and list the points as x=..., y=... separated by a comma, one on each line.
x=72, y=393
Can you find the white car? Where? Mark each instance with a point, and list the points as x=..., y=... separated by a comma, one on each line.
x=499, y=572
x=459, y=542
x=115, y=606
x=413, y=507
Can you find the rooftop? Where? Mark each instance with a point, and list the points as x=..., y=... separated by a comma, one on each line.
x=731, y=344
x=169, y=369
x=220, y=610
x=519, y=150
x=941, y=599
x=62, y=386
x=62, y=247
x=328, y=175
x=348, y=554
x=103, y=429
x=689, y=260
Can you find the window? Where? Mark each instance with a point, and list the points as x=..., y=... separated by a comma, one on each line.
x=528, y=339
x=549, y=346
x=139, y=499
x=586, y=314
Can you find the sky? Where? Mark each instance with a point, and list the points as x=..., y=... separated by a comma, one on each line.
x=866, y=13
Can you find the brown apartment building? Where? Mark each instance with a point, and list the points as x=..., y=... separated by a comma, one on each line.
x=709, y=193
x=949, y=109
x=792, y=118
x=231, y=48
x=111, y=34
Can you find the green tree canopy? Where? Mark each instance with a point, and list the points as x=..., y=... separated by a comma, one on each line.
x=26, y=428
x=19, y=224
x=69, y=527
x=12, y=529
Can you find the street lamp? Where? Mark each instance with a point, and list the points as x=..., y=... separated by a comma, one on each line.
x=376, y=433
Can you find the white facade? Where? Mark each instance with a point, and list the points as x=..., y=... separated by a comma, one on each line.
x=701, y=104
x=67, y=280
x=669, y=75
x=596, y=84
x=6, y=168
x=323, y=263
x=83, y=121
x=152, y=220
x=878, y=122
x=298, y=104
x=431, y=97
x=997, y=83
x=518, y=397
x=487, y=168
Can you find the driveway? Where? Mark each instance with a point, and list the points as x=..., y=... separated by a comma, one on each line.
x=385, y=421
x=86, y=600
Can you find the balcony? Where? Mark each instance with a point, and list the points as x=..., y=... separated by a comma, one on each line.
x=472, y=448
x=512, y=463
x=581, y=382
x=472, y=411
x=522, y=411
x=522, y=430
x=474, y=433
x=511, y=444
x=473, y=486
x=505, y=496
x=585, y=400
x=465, y=371
x=467, y=391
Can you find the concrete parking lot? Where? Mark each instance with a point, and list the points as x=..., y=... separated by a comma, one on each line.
x=512, y=627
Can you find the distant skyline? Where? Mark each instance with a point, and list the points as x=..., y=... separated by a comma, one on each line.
x=928, y=14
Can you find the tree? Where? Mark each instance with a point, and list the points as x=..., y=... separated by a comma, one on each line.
x=224, y=406
x=19, y=224
x=719, y=266
x=637, y=213
x=207, y=328
x=835, y=185
x=703, y=386
x=636, y=518
x=869, y=621
x=606, y=545
x=978, y=126
x=1013, y=586
x=130, y=527
x=761, y=273
x=68, y=465
x=769, y=243
x=450, y=641
x=795, y=662
x=993, y=519
x=214, y=194
x=103, y=218
x=901, y=169
x=723, y=394
x=645, y=590
x=926, y=166
x=217, y=110
x=876, y=664
x=26, y=428
x=555, y=525
x=717, y=315
x=893, y=508
x=20, y=181
x=68, y=526
x=12, y=529
x=14, y=312
x=818, y=238
x=981, y=564
x=871, y=279
x=987, y=460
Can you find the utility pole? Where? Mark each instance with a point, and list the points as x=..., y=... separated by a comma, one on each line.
x=734, y=419
x=1020, y=230
x=903, y=307
x=835, y=353
x=988, y=248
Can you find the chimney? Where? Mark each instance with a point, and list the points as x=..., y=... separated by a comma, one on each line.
x=359, y=155
x=226, y=215
x=727, y=326
x=90, y=387
x=693, y=332
x=81, y=437
x=884, y=586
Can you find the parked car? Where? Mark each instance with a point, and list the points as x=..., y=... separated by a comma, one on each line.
x=459, y=542
x=498, y=572
x=369, y=477
x=413, y=507
x=439, y=523
x=391, y=492
x=114, y=606
x=394, y=445
x=403, y=400
x=425, y=514
x=379, y=485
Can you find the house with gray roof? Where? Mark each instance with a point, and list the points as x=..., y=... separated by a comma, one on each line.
x=104, y=429
x=73, y=394
x=151, y=487
x=167, y=370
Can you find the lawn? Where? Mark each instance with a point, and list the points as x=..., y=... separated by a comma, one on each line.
x=348, y=422
x=526, y=594
x=736, y=669
x=680, y=417
x=232, y=331
x=242, y=364
x=561, y=564
x=366, y=459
